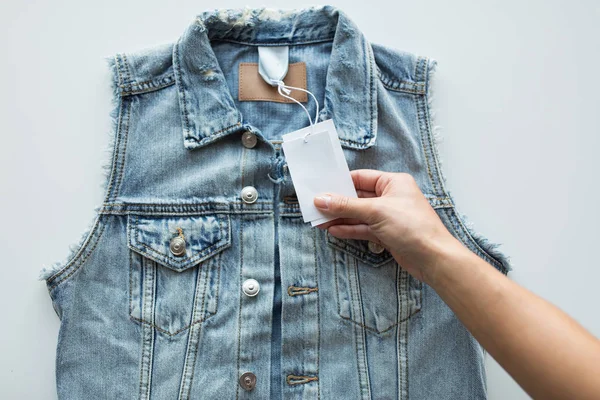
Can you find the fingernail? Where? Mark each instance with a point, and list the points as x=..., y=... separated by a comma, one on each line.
x=322, y=201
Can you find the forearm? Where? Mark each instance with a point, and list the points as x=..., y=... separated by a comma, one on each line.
x=544, y=350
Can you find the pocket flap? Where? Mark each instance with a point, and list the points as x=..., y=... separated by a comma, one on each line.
x=204, y=236
x=360, y=249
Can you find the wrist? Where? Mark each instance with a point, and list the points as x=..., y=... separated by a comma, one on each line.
x=441, y=255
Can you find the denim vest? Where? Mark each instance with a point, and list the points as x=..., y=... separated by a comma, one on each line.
x=199, y=279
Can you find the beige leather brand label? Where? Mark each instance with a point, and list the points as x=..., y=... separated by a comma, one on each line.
x=252, y=87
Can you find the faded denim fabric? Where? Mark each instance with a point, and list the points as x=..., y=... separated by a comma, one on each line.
x=152, y=299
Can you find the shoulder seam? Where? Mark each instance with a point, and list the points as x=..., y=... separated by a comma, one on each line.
x=147, y=86
x=400, y=85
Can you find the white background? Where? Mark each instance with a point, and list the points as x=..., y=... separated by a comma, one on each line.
x=517, y=97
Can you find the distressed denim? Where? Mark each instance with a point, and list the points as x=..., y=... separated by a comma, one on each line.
x=155, y=300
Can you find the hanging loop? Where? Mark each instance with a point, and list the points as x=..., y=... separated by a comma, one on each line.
x=284, y=90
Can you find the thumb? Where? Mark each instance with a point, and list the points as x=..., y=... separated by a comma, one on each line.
x=343, y=206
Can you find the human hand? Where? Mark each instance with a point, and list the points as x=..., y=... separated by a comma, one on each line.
x=390, y=210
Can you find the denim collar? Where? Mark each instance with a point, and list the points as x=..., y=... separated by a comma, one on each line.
x=207, y=107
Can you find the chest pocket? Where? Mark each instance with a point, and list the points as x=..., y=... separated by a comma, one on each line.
x=372, y=290
x=175, y=265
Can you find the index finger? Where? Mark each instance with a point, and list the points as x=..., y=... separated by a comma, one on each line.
x=366, y=179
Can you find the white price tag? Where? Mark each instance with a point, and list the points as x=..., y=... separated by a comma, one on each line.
x=317, y=166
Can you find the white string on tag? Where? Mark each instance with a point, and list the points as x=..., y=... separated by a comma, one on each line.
x=282, y=87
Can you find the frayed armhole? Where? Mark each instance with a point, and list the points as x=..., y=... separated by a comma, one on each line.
x=461, y=226
x=59, y=271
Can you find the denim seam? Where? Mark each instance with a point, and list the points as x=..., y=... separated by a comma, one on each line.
x=242, y=165
x=399, y=360
x=226, y=203
x=241, y=240
x=132, y=254
x=118, y=69
x=239, y=327
x=375, y=330
x=194, y=338
x=403, y=287
x=373, y=93
x=300, y=43
x=183, y=204
x=290, y=199
x=432, y=145
x=182, y=91
x=401, y=85
x=404, y=328
x=150, y=89
x=355, y=330
x=424, y=130
x=402, y=90
x=354, y=144
x=302, y=342
x=128, y=71
x=199, y=326
x=337, y=291
x=124, y=79
x=118, y=138
x=218, y=282
x=171, y=334
x=143, y=329
x=155, y=81
x=148, y=86
x=315, y=232
x=194, y=213
x=120, y=167
x=147, y=332
x=207, y=314
x=213, y=136
x=359, y=338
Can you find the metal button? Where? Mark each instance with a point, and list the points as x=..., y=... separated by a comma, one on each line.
x=250, y=287
x=249, y=139
x=248, y=380
x=376, y=247
x=177, y=246
x=249, y=194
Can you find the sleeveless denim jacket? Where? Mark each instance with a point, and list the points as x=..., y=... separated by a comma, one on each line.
x=198, y=278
